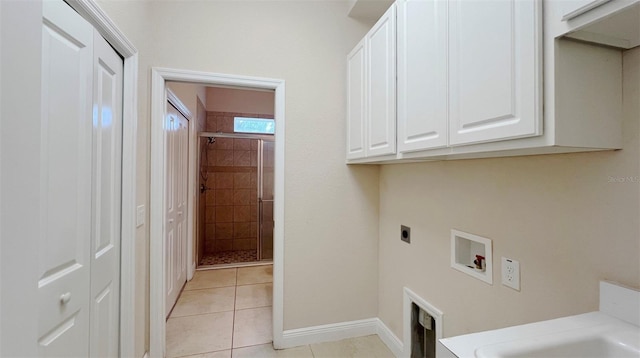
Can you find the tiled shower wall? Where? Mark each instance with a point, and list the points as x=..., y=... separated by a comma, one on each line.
x=231, y=208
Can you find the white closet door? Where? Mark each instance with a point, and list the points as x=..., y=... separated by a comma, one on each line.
x=181, y=199
x=494, y=72
x=176, y=196
x=65, y=183
x=106, y=197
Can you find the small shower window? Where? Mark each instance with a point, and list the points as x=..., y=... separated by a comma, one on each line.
x=254, y=125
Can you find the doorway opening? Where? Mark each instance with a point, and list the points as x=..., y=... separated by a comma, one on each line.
x=234, y=222
x=272, y=168
x=234, y=215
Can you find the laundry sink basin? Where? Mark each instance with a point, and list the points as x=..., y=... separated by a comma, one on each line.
x=618, y=340
x=613, y=331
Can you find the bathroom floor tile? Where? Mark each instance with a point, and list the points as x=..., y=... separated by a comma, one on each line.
x=219, y=354
x=253, y=296
x=252, y=326
x=364, y=347
x=199, y=334
x=267, y=351
x=212, y=279
x=255, y=274
x=209, y=300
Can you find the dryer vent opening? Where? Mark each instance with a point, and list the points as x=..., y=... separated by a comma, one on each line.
x=423, y=333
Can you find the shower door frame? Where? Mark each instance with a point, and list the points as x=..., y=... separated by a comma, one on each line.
x=259, y=182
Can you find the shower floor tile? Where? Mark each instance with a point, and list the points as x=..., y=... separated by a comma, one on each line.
x=229, y=257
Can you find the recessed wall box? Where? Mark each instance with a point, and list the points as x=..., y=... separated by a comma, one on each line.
x=466, y=251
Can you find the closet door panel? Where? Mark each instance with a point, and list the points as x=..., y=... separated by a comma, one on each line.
x=106, y=198
x=65, y=183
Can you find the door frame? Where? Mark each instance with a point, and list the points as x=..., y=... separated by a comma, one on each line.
x=92, y=13
x=159, y=77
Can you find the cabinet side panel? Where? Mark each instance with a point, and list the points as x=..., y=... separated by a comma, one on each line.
x=588, y=95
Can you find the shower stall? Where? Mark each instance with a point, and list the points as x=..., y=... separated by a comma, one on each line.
x=235, y=208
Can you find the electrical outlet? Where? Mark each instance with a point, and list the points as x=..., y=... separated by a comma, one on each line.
x=405, y=234
x=511, y=273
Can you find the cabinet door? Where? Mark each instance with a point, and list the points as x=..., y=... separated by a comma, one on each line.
x=495, y=70
x=356, y=91
x=422, y=75
x=381, y=85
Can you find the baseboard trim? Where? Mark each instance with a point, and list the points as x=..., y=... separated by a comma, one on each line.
x=394, y=344
x=343, y=330
x=146, y=355
x=329, y=332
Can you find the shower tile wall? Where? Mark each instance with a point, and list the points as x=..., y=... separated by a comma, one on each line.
x=230, y=211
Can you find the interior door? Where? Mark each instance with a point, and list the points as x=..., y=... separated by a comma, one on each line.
x=106, y=198
x=65, y=183
x=176, y=129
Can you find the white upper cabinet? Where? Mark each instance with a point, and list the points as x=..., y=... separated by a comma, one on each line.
x=422, y=75
x=381, y=86
x=356, y=104
x=470, y=79
x=494, y=70
x=371, y=92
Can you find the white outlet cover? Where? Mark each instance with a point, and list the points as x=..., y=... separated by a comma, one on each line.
x=511, y=273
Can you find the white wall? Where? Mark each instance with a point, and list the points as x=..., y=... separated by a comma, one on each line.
x=331, y=209
x=240, y=101
x=562, y=216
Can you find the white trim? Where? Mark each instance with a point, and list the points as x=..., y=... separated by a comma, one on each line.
x=329, y=332
x=91, y=12
x=159, y=76
x=176, y=102
x=343, y=330
x=410, y=297
x=128, y=244
x=392, y=342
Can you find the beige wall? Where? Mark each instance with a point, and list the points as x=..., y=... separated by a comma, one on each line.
x=331, y=209
x=189, y=94
x=237, y=100
x=570, y=220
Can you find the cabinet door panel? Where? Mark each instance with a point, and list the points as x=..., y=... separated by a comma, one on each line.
x=356, y=90
x=381, y=86
x=422, y=75
x=495, y=74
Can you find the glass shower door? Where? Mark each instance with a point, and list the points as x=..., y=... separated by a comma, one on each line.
x=265, y=201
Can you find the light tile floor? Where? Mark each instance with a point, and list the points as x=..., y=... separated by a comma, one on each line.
x=227, y=313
